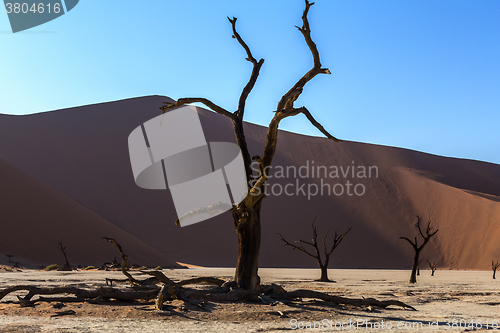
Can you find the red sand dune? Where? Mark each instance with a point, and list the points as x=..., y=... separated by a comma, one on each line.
x=35, y=218
x=82, y=153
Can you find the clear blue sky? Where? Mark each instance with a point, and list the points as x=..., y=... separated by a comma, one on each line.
x=418, y=74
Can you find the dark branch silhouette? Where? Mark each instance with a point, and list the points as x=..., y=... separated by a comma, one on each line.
x=323, y=265
x=427, y=236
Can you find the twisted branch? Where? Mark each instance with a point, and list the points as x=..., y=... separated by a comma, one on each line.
x=255, y=71
x=286, y=104
x=183, y=101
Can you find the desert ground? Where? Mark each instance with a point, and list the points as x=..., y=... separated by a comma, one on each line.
x=458, y=301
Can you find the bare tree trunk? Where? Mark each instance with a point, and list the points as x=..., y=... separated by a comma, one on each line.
x=324, y=274
x=413, y=277
x=249, y=235
x=494, y=266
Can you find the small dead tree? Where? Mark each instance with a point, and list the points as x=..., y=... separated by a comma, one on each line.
x=432, y=266
x=494, y=266
x=10, y=256
x=427, y=236
x=323, y=265
x=67, y=266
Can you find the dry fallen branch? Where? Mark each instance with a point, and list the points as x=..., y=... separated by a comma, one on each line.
x=225, y=292
x=143, y=293
x=289, y=296
x=203, y=279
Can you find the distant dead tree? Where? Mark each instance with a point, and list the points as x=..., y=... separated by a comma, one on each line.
x=323, y=265
x=494, y=266
x=427, y=236
x=432, y=266
x=10, y=256
x=418, y=267
x=67, y=266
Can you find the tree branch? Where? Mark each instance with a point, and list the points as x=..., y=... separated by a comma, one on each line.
x=208, y=103
x=255, y=71
x=418, y=227
x=409, y=241
x=317, y=125
x=297, y=247
x=291, y=96
x=238, y=114
x=130, y=278
x=428, y=234
x=286, y=104
x=336, y=241
x=324, y=243
x=305, y=242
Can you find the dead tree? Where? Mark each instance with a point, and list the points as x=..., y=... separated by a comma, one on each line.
x=432, y=266
x=10, y=256
x=427, y=236
x=246, y=215
x=323, y=265
x=494, y=266
x=67, y=266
